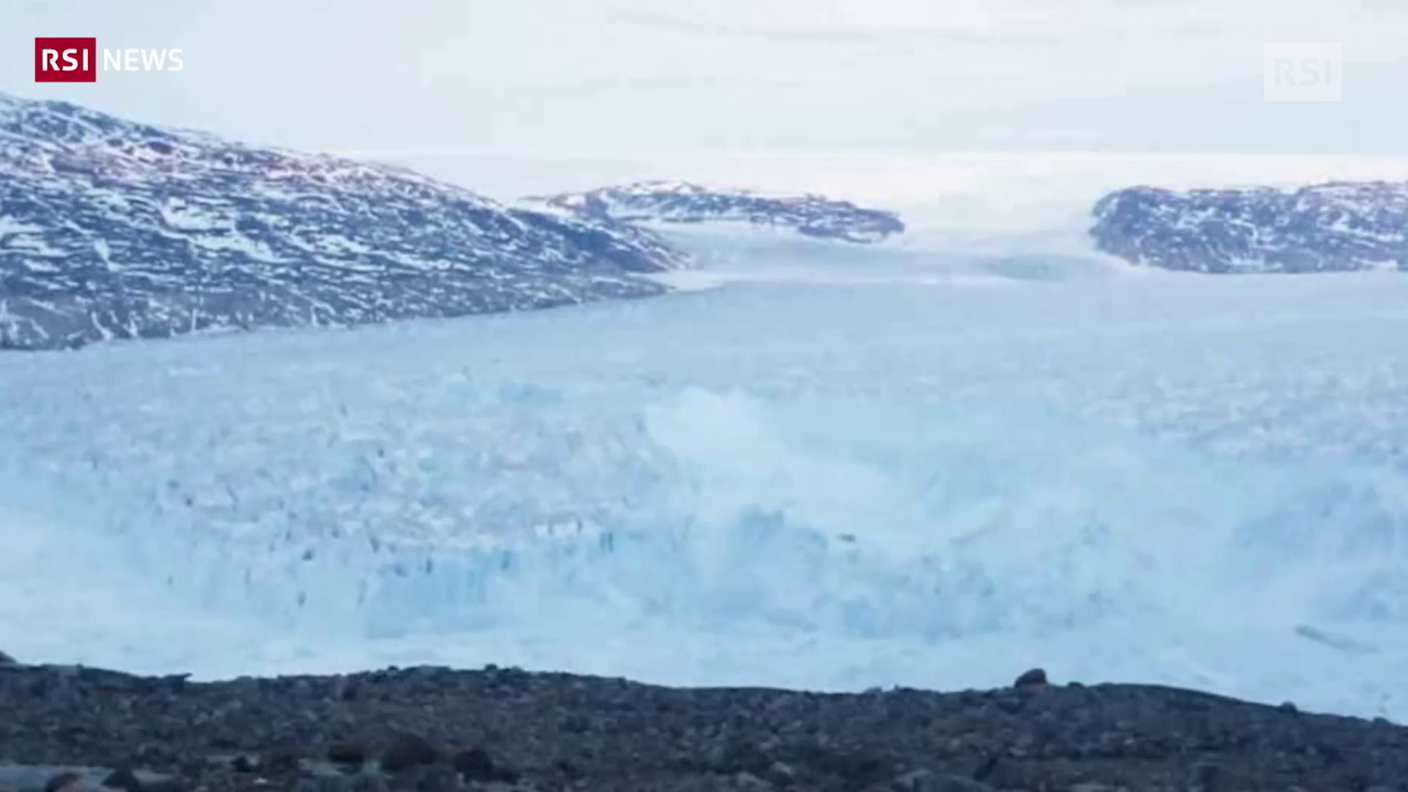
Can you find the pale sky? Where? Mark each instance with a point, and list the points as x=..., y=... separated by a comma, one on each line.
x=417, y=80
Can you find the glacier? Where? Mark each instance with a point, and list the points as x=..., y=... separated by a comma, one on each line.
x=834, y=470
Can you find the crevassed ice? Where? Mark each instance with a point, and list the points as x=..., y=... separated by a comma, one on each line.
x=837, y=484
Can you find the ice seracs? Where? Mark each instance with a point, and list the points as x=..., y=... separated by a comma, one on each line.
x=116, y=229
x=1332, y=227
x=678, y=202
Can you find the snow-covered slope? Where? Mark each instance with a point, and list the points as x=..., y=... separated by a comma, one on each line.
x=1337, y=226
x=673, y=202
x=110, y=228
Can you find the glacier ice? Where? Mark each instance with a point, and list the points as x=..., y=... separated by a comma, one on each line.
x=837, y=477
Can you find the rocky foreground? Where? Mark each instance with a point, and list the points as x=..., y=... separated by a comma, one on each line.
x=432, y=729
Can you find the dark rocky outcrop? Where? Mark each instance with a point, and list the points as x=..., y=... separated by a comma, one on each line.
x=505, y=729
x=1036, y=677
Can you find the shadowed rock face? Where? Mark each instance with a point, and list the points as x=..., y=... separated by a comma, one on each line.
x=1333, y=227
x=114, y=229
x=506, y=729
x=682, y=202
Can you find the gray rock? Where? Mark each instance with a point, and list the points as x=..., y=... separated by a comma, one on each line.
x=1036, y=677
x=429, y=778
x=349, y=752
x=928, y=781
x=406, y=751
x=476, y=764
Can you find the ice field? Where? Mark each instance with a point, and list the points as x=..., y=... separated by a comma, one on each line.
x=864, y=471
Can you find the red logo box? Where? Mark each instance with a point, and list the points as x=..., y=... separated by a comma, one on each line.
x=65, y=59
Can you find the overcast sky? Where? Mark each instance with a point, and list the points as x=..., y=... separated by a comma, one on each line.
x=414, y=80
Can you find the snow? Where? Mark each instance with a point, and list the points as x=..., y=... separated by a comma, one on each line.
x=9, y=225
x=183, y=215
x=878, y=469
x=234, y=241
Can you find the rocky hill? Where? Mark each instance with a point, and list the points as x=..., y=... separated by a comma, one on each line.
x=1335, y=227
x=671, y=202
x=115, y=229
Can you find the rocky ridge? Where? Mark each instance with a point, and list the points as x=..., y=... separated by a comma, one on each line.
x=115, y=229
x=436, y=729
x=678, y=203
x=1333, y=227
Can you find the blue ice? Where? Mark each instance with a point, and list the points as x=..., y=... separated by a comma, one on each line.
x=868, y=473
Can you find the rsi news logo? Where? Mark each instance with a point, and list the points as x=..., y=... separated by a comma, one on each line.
x=70, y=59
